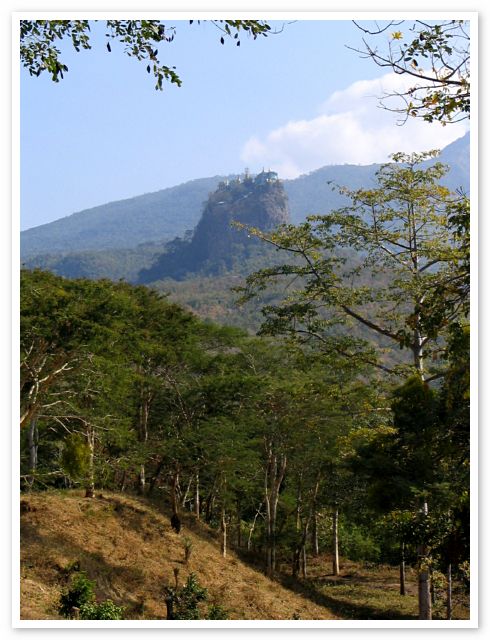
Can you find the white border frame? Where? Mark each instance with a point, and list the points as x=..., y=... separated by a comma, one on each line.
x=472, y=16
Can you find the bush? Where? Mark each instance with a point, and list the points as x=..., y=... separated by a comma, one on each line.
x=183, y=604
x=81, y=596
x=81, y=592
x=106, y=610
x=217, y=612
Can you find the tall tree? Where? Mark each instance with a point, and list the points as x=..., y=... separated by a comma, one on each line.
x=380, y=263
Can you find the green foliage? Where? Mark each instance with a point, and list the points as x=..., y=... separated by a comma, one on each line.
x=106, y=610
x=437, y=57
x=75, y=457
x=217, y=612
x=39, y=41
x=380, y=264
x=357, y=543
x=245, y=418
x=185, y=601
x=81, y=596
x=80, y=593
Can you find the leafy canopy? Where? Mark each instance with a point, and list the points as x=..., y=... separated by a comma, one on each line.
x=437, y=56
x=384, y=264
x=40, y=39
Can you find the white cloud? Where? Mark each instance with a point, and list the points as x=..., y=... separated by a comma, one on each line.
x=350, y=128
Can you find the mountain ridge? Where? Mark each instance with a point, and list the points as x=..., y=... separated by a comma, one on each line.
x=162, y=215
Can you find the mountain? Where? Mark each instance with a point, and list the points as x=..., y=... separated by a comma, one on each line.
x=163, y=215
x=123, y=224
x=217, y=245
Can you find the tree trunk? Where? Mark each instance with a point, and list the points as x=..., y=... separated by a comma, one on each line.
x=186, y=493
x=173, y=493
x=90, y=488
x=144, y=413
x=314, y=533
x=299, y=557
x=273, y=477
x=141, y=480
x=295, y=563
x=402, y=569
x=335, y=550
x=197, y=504
x=238, y=526
x=209, y=502
x=303, y=561
x=418, y=346
x=123, y=481
x=425, y=604
x=33, y=445
x=153, y=482
x=252, y=528
x=169, y=603
x=298, y=505
x=223, y=532
x=449, y=602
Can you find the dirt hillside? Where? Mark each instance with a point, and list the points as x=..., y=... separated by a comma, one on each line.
x=129, y=548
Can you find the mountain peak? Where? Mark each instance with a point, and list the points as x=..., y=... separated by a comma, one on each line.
x=258, y=201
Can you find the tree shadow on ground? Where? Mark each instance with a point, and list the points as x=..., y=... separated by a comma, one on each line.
x=340, y=606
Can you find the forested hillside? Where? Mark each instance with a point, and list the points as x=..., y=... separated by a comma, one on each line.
x=290, y=446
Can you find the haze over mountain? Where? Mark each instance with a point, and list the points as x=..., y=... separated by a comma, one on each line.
x=161, y=216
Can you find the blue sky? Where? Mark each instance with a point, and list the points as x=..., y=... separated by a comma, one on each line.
x=293, y=102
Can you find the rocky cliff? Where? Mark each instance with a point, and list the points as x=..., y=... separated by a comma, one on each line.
x=216, y=245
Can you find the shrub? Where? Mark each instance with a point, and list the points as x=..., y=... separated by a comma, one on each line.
x=183, y=604
x=106, y=610
x=187, y=549
x=81, y=592
x=217, y=612
x=81, y=596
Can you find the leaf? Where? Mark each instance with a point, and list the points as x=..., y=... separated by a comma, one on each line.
x=222, y=40
x=108, y=47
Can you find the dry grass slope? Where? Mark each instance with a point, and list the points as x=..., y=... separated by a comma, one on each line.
x=129, y=548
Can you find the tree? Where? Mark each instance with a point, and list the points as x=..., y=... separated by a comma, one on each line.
x=382, y=264
x=437, y=56
x=39, y=40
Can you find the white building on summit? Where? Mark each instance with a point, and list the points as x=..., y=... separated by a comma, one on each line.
x=266, y=176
